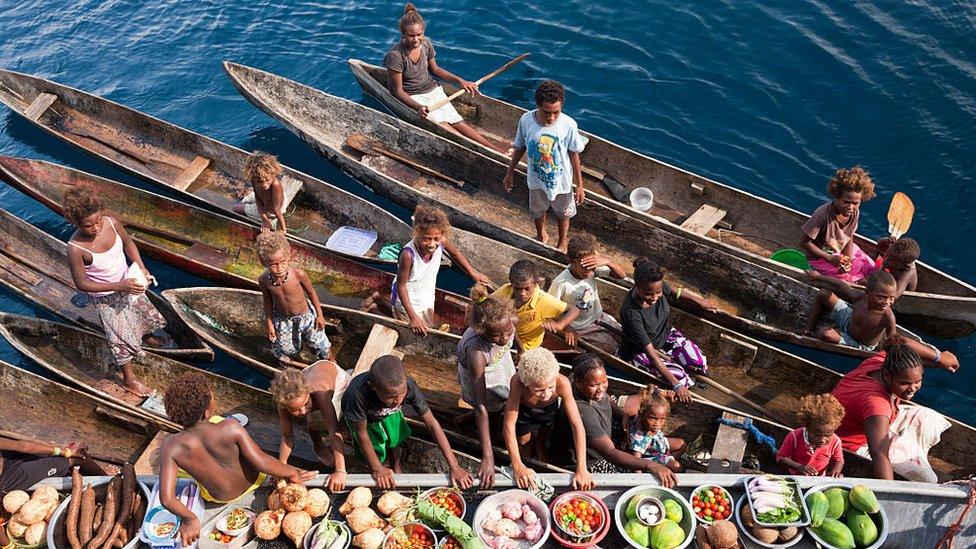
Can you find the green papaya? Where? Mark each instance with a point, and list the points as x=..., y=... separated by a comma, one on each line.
x=837, y=502
x=863, y=529
x=673, y=510
x=817, y=504
x=667, y=535
x=835, y=533
x=631, y=512
x=638, y=532
x=863, y=499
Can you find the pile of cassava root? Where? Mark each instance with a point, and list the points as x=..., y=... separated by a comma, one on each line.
x=111, y=522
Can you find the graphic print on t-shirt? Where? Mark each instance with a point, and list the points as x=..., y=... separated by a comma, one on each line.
x=545, y=161
x=585, y=298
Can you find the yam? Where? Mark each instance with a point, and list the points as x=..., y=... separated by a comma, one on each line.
x=74, y=508
x=16, y=527
x=86, y=519
x=45, y=493
x=108, y=515
x=126, y=492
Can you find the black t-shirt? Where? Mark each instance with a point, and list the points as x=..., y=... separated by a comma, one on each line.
x=360, y=402
x=644, y=325
x=597, y=422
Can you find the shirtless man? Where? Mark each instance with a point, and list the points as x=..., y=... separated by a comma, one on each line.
x=221, y=457
x=863, y=323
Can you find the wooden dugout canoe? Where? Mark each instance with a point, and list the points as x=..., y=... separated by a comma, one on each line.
x=203, y=170
x=208, y=244
x=112, y=432
x=750, y=227
x=34, y=264
x=752, y=298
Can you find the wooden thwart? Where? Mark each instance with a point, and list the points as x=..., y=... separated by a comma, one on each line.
x=704, y=219
x=380, y=343
x=191, y=173
x=730, y=446
x=40, y=104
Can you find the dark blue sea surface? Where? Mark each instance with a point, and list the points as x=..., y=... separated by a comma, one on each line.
x=770, y=97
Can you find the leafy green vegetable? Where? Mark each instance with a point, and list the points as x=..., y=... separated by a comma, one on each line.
x=790, y=513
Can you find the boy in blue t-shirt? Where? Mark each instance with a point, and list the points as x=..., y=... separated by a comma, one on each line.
x=553, y=143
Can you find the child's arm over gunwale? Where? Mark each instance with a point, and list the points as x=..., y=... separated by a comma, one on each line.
x=323, y=402
x=523, y=475
x=268, y=303
x=287, y=435
x=477, y=362
x=455, y=253
x=404, y=267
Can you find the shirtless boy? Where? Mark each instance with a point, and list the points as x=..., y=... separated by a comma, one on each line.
x=221, y=457
x=862, y=324
x=263, y=171
x=290, y=303
x=898, y=258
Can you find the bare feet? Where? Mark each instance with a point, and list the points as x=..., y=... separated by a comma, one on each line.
x=369, y=304
x=138, y=389
x=542, y=236
x=563, y=246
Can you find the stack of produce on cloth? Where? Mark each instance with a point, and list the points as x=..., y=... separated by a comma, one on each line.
x=291, y=508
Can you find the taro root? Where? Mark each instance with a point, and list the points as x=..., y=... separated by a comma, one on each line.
x=765, y=535
x=787, y=533
x=370, y=539
x=358, y=497
x=389, y=502
x=45, y=493
x=35, y=533
x=16, y=527
x=362, y=519
x=33, y=511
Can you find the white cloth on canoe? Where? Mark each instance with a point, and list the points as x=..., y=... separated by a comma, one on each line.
x=444, y=113
x=915, y=430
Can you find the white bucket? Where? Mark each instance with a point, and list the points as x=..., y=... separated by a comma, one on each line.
x=641, y=199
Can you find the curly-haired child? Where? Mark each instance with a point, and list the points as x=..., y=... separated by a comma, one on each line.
x=266, y=200
x=898, y=257
x=291, y=306
x=645, y=431
x=815, y=449
x=415, y=284
x=828, y=236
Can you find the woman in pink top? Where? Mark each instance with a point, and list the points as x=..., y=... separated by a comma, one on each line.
x=873, y=426
x=97, y=258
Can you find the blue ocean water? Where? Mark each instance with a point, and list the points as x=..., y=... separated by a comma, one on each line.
x=771, y=97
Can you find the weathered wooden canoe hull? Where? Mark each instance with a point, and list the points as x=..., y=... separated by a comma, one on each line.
x=38, y=272
x=754, y=227
x=753, y=299
x=109, y=430
x=158, y=152
x=208, y=244
x=85, y=360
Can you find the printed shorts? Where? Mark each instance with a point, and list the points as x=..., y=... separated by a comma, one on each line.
x=563, y=205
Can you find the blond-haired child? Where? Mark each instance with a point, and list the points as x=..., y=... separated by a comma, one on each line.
x=533, y=400
x=815, y=449
x=415, y=284
x=291, y=306
x=266, y=201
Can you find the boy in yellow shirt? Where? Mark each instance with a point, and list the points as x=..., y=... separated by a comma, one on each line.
x=537, y=310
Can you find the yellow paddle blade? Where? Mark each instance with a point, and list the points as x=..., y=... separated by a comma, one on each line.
x=900, y=214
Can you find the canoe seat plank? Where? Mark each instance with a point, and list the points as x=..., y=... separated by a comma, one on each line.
x=380, y=343
x=698, y=188
x=730, y=446
x=40, y=104
x=704, y=219
x=191, y=173
x=595, y=173
x=17, y=270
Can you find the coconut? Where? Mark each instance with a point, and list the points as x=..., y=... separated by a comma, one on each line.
x=14, y=500
x=701, y=536
x=765, y=535
x=787, y=533
x=267, y=525
x=295, y=525
x=723, y=535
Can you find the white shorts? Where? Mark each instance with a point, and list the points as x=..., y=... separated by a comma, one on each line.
x=564, y=205
x=444, y=113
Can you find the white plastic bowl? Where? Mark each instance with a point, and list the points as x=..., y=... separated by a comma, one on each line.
x=882, y=530
x=688, y=522
x=494, y=501
x=641, y=199
x=728, y=496
x=738, y=520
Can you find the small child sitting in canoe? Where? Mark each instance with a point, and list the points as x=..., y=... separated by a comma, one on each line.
x=485, y=368
x=553, y=143
x=898, y=258
x=412, y=66
x=533, y=400
x=576, y=285
x=865, y=321
x=373, y=408
x=645, y=431
x=291, y=306
x=315, y=394
x=815, y=448
x=537, y=311
x=266, y=200
x=828, y=236
x=221, y=457
x=648, y=333
x=415, y=284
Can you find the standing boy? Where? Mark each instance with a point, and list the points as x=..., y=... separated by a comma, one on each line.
x=291, y=306
x=373, y=409
x=553, y=143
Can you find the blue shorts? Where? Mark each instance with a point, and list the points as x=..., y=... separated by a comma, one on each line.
x=841, y=316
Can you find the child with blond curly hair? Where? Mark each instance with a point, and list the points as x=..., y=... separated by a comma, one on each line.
x=828, y=236
x=415, y=284
x=815, y=449
x=265, y=202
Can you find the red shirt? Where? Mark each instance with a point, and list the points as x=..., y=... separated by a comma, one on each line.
x=796, y=448
x=862, y=397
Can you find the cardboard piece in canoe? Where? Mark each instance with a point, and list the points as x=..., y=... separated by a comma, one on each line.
x=191, y=173
x=380, y=343
x=730, y=446
x=704, y=219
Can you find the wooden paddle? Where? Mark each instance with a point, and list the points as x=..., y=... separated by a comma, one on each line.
x=900, y=215
x=479, y=82
x=374, y=147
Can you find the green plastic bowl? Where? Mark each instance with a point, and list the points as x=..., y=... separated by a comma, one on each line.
x=791, y=257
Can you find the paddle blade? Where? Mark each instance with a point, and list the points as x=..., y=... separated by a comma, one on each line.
x=900, y=214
